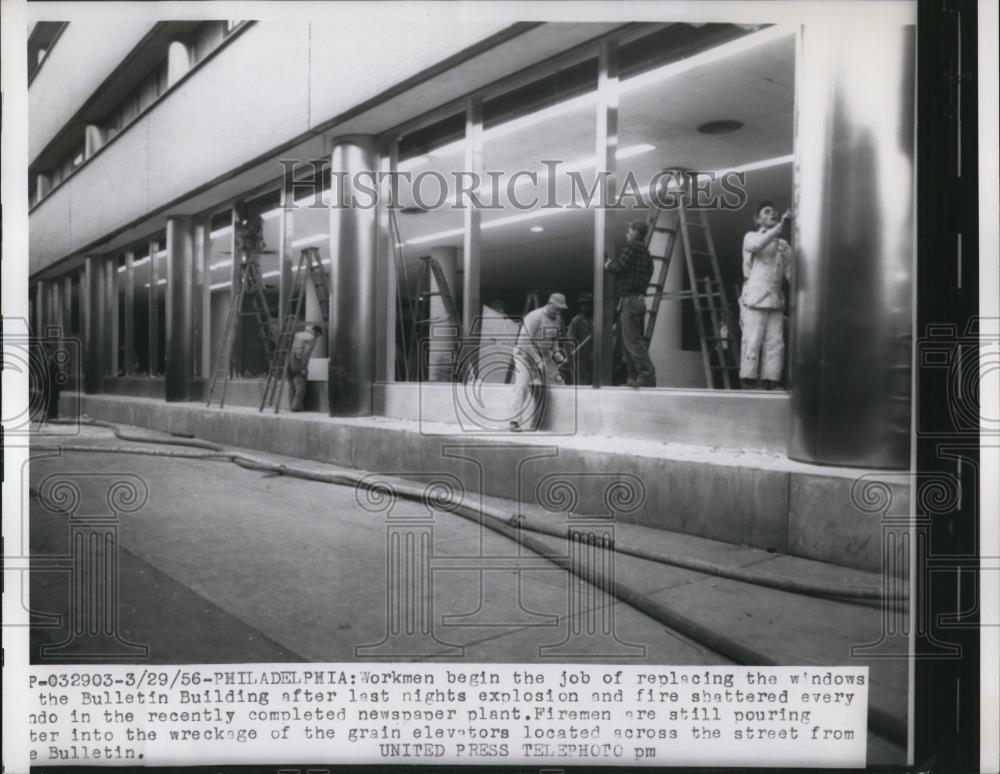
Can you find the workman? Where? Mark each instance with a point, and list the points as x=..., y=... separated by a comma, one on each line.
x=632, y=269
x=536, y=360
x=303, y=344
x=767, y=262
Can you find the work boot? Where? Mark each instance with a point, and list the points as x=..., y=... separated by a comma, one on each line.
x=748, y=384
x=515, y=427
x=632, y=384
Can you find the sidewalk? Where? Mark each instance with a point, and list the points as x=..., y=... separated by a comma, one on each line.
x=227, y=564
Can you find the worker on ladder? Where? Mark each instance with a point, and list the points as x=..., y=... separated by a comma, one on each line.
x=303, y=344
x=633, y=269
x=767, y=261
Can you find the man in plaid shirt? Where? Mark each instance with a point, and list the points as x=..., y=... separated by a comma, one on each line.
x=633, y=269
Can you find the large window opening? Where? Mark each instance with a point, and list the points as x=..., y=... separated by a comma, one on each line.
x=259, y=241
x=426, y=237
x=724, y=110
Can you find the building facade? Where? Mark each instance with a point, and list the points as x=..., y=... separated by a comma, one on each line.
x=514, y=156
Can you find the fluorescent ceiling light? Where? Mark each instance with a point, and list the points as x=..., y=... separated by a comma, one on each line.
x=777, y=161
x=634, y=150
x=434, y=237
x=522, y=122
x=537, y=229
x=219, y=285
x=219, y=265
x=576, y=166
x=140, y=262
x=271, y=214
x=625, y=153
x=158, y=282
x=220, y=232
x=409, y=164
x=310, y=240
x=521, y=218
x=726, y=50
x=533, y=215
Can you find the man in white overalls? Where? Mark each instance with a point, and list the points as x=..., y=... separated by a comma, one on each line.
x=767, y=261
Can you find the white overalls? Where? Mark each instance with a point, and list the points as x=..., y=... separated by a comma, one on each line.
x=762, y=304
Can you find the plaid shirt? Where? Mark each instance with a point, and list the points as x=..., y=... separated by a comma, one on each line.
x=633, y=268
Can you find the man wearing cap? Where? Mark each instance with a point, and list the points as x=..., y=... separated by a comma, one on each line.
x=303, y=344
x=633, y=269
x=535, y=362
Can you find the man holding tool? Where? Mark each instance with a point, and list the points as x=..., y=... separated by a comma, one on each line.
x=535, y=362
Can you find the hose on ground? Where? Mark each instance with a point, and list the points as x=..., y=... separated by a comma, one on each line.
x=513, y=527
x=793, y=585
x=122, y=435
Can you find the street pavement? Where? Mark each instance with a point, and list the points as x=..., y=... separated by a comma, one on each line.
x=228, y=565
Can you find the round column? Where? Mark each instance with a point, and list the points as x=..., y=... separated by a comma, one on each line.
x=180, y=309
x=852, y=307
x=353, y=240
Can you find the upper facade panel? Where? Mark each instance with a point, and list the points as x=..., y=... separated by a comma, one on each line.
x=82, y=58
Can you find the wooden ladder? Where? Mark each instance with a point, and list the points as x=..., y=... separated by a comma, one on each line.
x=249, y=287
x=310, y=267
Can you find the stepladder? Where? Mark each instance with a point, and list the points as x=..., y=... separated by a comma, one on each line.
x=714, y=317
x=309, y=272
x=249, y=290
x=435, y=323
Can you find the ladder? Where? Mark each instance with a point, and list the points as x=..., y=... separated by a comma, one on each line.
x=713, y=314
x=405, y=307
x=309, y=266
x=249, y=287
x=431, y=268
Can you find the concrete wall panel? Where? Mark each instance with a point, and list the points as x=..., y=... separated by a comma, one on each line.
x=84, y=55
x=115, y=186
x=250, y=98
x=49, y=229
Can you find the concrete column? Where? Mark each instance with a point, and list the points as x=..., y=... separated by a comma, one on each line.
x=178, y=62
x=443, y=335
x=93, y=139
x=851, y=311
x=95, y=335
x=353, y=242
x=180, y=309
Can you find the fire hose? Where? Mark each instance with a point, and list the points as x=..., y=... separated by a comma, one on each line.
x=513, y=525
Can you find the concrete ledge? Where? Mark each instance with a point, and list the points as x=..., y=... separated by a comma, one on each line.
x=731, y=418
x=752, y=498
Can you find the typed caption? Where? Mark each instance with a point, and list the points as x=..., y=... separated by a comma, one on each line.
x=449, y=713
